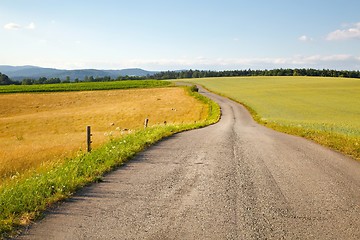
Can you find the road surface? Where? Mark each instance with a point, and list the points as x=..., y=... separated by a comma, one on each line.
x=232, y=180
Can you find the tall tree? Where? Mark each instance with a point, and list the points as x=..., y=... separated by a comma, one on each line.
x=5, y=80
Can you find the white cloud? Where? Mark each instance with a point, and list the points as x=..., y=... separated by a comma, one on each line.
x=338, y=62
x=15, y=26
x=12, y=26
x=31, y=26
x=352, y=32
x=305, y=38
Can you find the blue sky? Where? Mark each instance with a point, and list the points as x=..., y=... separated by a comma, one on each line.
x=169, y=34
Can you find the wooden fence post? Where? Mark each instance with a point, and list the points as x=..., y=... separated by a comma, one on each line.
x=146, y=122
x=88, y=138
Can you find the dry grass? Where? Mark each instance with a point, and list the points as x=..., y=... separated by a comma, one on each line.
x=37, y=128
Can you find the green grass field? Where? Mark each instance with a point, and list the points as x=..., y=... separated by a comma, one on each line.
x=326, y=110
x=83, y=86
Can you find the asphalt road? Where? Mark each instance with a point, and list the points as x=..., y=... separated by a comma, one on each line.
x=232, y=180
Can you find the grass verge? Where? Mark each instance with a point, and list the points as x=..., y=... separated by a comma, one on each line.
x=347, y=145
x=25, y=197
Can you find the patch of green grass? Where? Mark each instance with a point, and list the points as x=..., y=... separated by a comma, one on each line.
x=325, y=110
x=24, y=197
x=83, y=86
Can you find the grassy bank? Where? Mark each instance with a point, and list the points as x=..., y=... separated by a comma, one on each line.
x=325, y=110
x=83, y=86
x=24, y=197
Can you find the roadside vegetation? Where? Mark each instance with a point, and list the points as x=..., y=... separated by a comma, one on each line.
x=325, y=110
x=24, y=196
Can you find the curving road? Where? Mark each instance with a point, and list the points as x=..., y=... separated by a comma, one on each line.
x=232, y=180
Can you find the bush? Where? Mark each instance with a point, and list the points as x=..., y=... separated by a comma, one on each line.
x=194, y=88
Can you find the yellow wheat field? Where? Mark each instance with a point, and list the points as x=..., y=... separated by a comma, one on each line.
x=37, y=128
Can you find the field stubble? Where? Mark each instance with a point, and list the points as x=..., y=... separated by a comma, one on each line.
x=41, y=127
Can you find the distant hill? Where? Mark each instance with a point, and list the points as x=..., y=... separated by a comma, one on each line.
x=18, y=73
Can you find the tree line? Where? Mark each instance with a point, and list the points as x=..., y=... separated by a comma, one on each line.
x=5, y=80
x=249, y=72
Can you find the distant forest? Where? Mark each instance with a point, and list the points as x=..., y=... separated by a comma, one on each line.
x=5, y=80
x=249, y=72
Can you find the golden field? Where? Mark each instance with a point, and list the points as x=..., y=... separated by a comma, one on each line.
x=45, y=127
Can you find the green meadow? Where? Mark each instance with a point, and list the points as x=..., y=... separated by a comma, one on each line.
x=326, y=110
x=83, y=86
